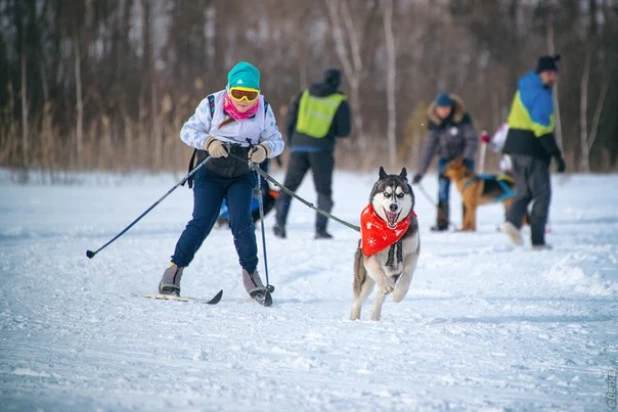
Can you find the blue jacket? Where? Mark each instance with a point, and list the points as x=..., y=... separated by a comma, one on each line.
x=531, y=121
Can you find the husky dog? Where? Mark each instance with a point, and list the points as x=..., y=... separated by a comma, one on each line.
x=389, y=246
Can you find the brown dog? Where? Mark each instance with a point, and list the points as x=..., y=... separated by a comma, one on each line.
x=478, y=190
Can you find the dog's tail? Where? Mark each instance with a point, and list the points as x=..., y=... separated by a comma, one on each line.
x=360, y=273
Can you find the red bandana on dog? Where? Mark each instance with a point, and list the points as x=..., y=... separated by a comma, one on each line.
x=376, y=235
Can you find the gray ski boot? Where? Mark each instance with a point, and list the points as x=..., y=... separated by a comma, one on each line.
x=256, y=289
x=170, y=282
x=252, y=282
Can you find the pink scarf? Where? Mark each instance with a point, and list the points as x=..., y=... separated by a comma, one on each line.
x=233, y=112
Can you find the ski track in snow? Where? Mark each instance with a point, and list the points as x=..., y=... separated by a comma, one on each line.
x=486, y=326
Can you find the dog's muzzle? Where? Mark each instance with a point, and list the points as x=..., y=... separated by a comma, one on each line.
x=392, y=215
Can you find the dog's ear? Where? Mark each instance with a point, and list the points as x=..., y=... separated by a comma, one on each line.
x=383, y=173
x=404, y=174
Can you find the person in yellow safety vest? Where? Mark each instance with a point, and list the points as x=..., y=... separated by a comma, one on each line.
x=531, y=144
x=316, y=117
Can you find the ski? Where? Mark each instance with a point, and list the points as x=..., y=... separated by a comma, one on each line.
x=216, y=299
x=263, y=296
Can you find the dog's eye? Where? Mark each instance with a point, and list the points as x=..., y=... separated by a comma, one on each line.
x=387, y=195
x=400, y=195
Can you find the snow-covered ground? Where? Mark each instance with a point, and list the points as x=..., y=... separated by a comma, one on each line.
x=485, y=326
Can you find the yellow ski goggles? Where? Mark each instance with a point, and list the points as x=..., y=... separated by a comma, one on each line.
x=243, y=93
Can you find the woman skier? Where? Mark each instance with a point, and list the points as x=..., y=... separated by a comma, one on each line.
x=236, y=121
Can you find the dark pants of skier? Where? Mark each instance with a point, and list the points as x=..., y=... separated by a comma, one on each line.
x=209, y=191
x=322, y=165
x=533, y=184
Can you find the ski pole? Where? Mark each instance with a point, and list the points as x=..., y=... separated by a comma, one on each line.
x=256, y=167
x=91, y=253
x=300, y=199
x=484, y=141
x=429, y=198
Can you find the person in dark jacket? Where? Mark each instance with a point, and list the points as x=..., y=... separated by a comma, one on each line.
x=450, y=134
x=531, y=145
x=316, y=117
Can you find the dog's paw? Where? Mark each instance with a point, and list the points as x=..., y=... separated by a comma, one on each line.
x=356, y=312
x=399, y=294
x=386, y=287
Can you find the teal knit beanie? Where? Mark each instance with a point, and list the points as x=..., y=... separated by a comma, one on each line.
x=244, y=74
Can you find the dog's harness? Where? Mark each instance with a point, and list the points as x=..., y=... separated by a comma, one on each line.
x=501, y=180
x=395, y=255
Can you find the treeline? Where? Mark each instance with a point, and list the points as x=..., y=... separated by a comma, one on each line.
x=87, y=84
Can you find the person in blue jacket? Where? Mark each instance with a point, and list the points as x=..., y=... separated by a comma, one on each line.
x=531, y=145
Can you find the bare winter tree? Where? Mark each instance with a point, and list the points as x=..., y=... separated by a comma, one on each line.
x=109, y=83
x=588, y=137
x=348, y=48
x=551, y=45
x=79, y=98
x=24, y=110
x=391, y=81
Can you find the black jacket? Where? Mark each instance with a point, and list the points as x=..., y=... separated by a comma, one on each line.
x=339, y=128
x=524, y=142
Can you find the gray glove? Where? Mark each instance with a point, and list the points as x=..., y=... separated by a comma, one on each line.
x=258, y=153
x=215, y=148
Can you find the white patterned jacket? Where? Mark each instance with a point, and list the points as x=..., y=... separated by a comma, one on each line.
x=261, y=128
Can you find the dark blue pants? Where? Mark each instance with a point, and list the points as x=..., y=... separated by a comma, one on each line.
x=208, y=193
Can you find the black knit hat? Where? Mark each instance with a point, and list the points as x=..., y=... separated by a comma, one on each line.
x=548, y=63
x=333, y=77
